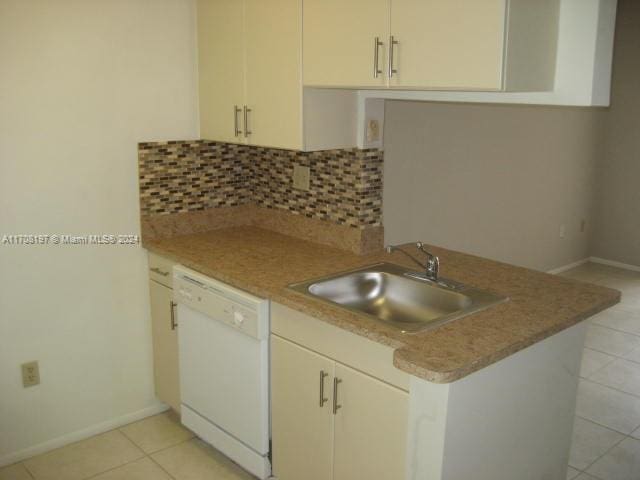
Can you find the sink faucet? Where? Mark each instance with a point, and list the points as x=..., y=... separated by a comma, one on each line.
x=432, y=265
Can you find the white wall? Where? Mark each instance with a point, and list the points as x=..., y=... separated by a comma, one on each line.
x=81, y=82
x=496, y=181
x=617, y=236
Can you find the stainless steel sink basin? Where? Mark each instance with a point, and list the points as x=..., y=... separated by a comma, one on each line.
x=394, y=295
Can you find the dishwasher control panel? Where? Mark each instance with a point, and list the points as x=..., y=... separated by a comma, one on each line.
x=221, y=302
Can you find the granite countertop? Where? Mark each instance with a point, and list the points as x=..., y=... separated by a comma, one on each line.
x=263, y=263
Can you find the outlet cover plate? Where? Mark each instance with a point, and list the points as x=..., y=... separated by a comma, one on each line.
x=301, y=177
x=30, y=374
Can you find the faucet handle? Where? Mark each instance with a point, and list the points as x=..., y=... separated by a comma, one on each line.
x=433, y=262
x=421, y=246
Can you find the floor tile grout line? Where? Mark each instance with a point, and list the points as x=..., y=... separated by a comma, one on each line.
x=616, y=329
x=613, y=354
x=600, y=424
x=605, y=453
x=131, y=439
x=612, y=388
x=609, y=386
x=627, y=309
x=599, y=368
x=576, y=469
x=114, y=468
x=24, y=464
x=171, y=446
x=161, y=467
x=610, y=354
x=608, y=428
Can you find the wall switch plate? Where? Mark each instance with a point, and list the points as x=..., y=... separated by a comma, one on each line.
x=301, y=177
x=563, y=231
x=583, y=225
x=30, y=374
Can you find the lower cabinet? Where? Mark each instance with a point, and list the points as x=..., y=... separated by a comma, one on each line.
x=331, y=422
x=165, y=344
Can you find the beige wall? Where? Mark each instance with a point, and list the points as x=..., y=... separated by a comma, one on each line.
x=81, y=82
x=497, y=181
x=617, y=235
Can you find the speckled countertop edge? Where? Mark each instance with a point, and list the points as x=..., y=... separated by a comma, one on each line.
x=264, y=263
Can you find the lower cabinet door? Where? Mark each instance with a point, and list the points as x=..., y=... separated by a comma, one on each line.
x=370, y=428
x=165, y=345
x=301, y=423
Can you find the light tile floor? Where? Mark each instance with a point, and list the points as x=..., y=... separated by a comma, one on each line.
x=606, y=436
x=156, y=448
x=606, y=439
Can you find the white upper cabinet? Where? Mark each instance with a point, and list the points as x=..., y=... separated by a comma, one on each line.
x=447, y=44
x=274, y=72
x=474, y=45
x=340, y=42
x=250, y=77
x=249, y=54
x=220, y=68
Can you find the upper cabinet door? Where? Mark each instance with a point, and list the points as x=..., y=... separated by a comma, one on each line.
x=370, y=436
x=221, y=69
x=274, y=72
x=448, y=44
x=339, y=42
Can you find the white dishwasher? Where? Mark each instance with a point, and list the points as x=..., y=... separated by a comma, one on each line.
x=223, y=341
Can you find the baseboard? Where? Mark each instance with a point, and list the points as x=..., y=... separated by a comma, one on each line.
x=564, y=268
x=613, y=263
x=602, y=261
x=82, y=434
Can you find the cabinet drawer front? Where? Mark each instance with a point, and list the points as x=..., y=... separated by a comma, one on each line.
x=161, y=270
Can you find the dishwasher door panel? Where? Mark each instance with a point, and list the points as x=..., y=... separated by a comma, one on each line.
x=224, y=377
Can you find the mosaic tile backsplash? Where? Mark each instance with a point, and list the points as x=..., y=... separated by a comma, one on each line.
x=187, y=176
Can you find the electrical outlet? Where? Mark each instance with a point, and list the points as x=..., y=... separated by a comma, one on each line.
x=301, y=177
x=30, y=374
x=373, y=131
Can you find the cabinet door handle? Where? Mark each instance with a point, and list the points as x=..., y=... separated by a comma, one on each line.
x=323, y=400
x=172, y=309
x=159, y=272
x=336, y=407
x=247, y=111
x=376, y=52
x=392, y=43
x=236, y=123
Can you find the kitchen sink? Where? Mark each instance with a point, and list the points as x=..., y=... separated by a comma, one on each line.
x=398, y=296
